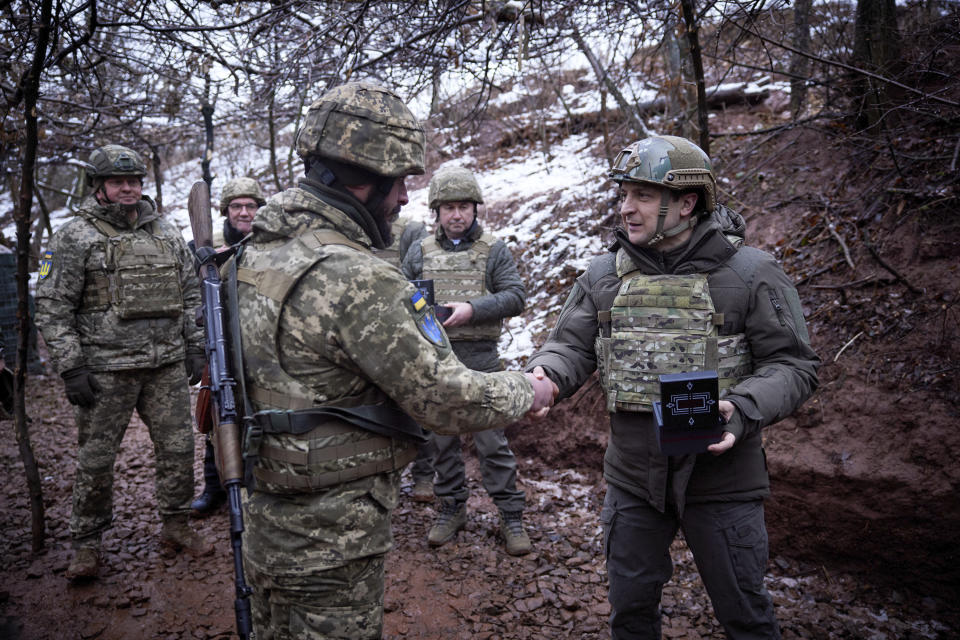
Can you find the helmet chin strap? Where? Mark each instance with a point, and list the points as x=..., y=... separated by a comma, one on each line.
x=666, y=200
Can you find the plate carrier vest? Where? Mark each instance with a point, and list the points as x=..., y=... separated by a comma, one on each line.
x=326, y=451
x=459, y=276
x=139, y=277
x=662, y=324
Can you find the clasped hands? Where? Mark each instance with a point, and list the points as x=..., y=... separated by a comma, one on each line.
x=544, y=393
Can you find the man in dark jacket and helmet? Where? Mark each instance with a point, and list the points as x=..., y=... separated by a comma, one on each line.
x=678, y=293
x=475, y=276
x=342, y=358
x=116, y=302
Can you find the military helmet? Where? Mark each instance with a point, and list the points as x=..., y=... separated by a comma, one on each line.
x=667, y=161
x=115, y=160
x=453, y=184
x=365, y=125
x=240, y=188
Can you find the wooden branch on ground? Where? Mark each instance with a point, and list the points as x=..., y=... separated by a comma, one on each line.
x=836, y=236
x=883, y=263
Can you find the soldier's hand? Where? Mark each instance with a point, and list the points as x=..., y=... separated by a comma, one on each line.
x=82, y=387
x=195, y=363
x=544, y=393
x=462, y=314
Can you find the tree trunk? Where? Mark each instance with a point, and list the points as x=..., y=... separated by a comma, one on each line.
x=206, y=109
x=273, y=143
x=31, y=91
x=799, y=64
x=876, y=48
x=693, y=39
x=157, y=175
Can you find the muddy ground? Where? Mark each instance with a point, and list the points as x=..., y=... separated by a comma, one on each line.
x=468, y=589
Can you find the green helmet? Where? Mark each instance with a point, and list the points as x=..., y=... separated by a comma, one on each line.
x=668, y=161
x=114, y=160
x=365, y=125
x=240, y=188
x=453, y=184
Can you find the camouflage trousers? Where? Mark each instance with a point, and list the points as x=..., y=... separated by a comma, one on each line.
x=162, y=400
x=315, y=561
x=346, y=602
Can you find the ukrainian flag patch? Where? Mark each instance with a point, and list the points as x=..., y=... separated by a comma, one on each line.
x=46, y=264
x=418, y=301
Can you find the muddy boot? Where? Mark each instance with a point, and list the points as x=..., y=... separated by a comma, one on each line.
x=511, y=527
x=452, y=518
x=176, y=534
x=84, y=566
x=422, y=489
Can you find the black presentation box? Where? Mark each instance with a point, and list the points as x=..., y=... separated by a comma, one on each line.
x=688, y=414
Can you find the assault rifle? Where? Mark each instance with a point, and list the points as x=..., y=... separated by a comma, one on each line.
x=226, y=429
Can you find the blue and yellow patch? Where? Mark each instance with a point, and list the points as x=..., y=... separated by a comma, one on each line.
x=427, y=323
x=431, y=328
x=418, y=301
x=46, y=264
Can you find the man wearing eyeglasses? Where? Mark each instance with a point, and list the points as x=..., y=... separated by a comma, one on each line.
x=239, y=201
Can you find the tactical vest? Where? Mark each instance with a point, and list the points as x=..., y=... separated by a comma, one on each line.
x=292, y=460
x=662, y=324
x=139, y=277
x=460, y=276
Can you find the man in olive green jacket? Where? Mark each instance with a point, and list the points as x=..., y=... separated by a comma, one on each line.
x=675, y=236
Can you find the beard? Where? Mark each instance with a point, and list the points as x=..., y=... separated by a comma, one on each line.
x=385, y=220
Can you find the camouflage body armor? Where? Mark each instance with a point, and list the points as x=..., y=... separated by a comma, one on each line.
x=139, y=278
x=663, y=324
x=459, y=276
x=324, y=452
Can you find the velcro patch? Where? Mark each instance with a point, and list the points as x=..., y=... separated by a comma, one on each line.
x=46, y=264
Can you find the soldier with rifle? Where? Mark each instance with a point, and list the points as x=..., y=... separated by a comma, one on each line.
x=342, y=358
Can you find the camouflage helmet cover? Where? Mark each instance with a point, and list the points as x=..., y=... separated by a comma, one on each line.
x=366, y=125
x=114, y=160
x=667, y=161
x=453, y=184
x=240, y=188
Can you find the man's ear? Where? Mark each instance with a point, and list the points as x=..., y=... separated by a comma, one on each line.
x=688, y=203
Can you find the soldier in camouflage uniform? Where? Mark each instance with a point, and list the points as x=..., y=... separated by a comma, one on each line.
x=239, y=201
x=474, y=274
x=116, y=302
x=678, y=293
x=341, y=355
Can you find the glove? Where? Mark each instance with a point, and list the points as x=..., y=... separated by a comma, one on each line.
x=195, y=363
x=82, y=387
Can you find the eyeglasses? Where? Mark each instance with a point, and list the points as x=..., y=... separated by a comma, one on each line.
x=237, y=208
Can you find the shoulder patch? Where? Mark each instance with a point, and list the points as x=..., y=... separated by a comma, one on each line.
x=46, y=264
x=431, y=329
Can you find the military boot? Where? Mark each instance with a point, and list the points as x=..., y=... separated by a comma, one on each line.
x=422, y=489
x=176, y=534
x=511, y=528
x=209, y=501
x=452, y=518
x=85, y=564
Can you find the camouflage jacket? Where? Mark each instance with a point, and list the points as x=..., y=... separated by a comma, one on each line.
x=351, y=329
x=84, y=329
x=506, y=296
x=765, y=307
